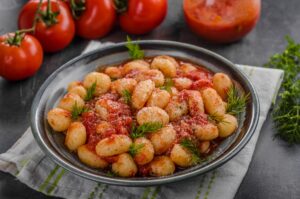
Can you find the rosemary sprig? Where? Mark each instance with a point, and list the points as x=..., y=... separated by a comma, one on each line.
x=236, y=103
x=168, y=85
x=286, y=114
x=77, y=111
x=134, y=50
x=192, y=147
x=145, y=128
x=90, y=92
x=134, y=149
x=126, y=96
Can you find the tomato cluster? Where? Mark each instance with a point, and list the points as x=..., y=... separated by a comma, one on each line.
x=52, y=25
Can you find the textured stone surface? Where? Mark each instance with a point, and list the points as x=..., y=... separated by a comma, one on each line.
x=274, y=171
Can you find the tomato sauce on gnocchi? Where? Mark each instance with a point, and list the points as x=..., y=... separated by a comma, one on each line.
x=147, y=117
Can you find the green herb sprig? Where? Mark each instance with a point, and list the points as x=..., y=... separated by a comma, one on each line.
x=286, y=114
x=134, y=149
x=134, y=50
x=126, y=96
x=236, y=103
x=112, y=174
x=77, y=111
x=145, y=128
x=90, y=92
x=192, y=147
x=168, y=85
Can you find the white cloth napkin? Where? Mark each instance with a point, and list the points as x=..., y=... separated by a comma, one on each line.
x=28, y=163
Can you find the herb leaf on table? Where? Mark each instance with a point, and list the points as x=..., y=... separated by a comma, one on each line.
x=286, y=114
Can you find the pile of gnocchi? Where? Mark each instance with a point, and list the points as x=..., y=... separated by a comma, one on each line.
x=146, y=117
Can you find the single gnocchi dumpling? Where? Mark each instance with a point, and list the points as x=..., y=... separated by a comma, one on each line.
x=155, y=75
x=205, y=132
x=141, y=93
x=113, y=72
x=213, y=103
x=113, y=145
x=59, y=119
x=69, y=101
x=76, y=136
x=222, y=83
x=159, y=98
x=124, y=166
x=163, y=139
x=166, y=64
x=74, y=84
x=101, y=108
x=123, y=84
x=135, y=65
x=195, y=102
x=162, y=166
x=187, y=68
x=204, y=146
x=181, y=156
x=182, y=83
x=152, y=114
x=78, y=90
x=90, y=158
x=176, y=108
x=101, y=80
x=228, y=125
x=145, y=151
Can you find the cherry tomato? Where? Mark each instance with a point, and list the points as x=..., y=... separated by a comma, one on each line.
x=54, y=32
x=142, y=16
x=96, y=20
x=19, y=60
x=222, y=21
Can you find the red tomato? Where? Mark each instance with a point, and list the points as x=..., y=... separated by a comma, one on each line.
x=55, y=36
x=97, y=19
x=18, y=62
x=222, y=21
x=142, y=16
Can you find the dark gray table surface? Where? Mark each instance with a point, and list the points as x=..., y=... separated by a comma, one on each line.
x=275, y=168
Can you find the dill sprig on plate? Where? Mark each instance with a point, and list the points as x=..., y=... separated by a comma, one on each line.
x=134, y=149
x=145, y=128
x=90, y=92
x=126, y=96
x=236, y=103
x=168, y=85
x=191, y=147
x=77, y=111
x=286, y=114
x=134, y=50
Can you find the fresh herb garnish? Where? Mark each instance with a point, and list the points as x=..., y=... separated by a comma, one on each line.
x=236, y=103
x=145, y=128
x=286, y=114
x=134, y=149
x=134, y=50
x=191, y=147
x=168, y=85
x=77, y=111
x=126, y=96
x=90, y=92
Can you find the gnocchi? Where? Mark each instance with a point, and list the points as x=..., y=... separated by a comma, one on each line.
x=141, y=93
x=152, y=114
x=141, y=117
x=159, y=98
x=90, y=158
x=114, y=145
x=101, y=80
x=76, y=136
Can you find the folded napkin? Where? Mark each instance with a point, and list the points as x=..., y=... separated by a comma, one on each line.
x=28, y=163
